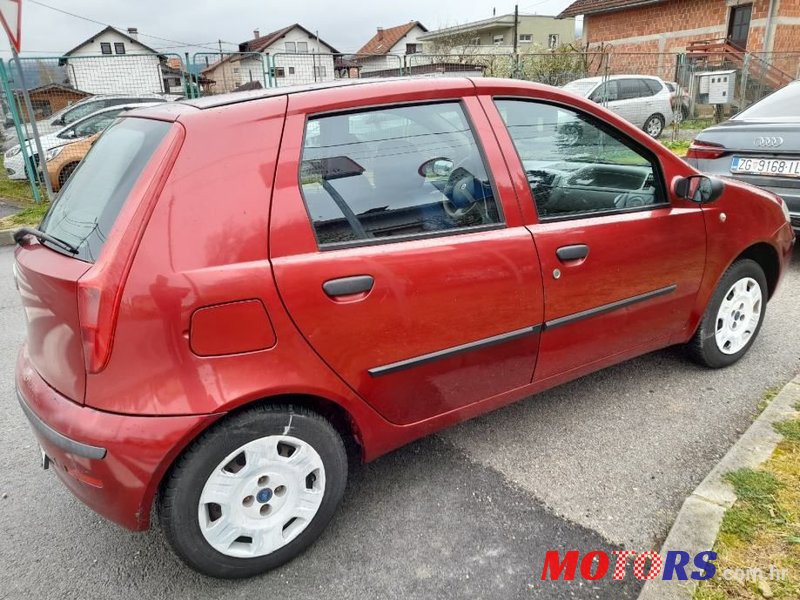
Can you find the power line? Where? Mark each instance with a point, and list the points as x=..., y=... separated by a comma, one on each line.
x=155, y=37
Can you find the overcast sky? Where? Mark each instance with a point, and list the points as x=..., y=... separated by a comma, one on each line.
x=345, y=24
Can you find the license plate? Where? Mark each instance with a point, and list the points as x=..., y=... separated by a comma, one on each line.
x=771, y=167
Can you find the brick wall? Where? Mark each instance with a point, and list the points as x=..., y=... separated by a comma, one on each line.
x=670, y=26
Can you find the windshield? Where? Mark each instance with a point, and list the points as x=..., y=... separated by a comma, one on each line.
x=88, y=205
x=780, y=105
x=90, y=126
x=580, y=87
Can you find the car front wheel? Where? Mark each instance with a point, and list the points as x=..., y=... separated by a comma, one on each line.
x=733, y=318
x=254, y=491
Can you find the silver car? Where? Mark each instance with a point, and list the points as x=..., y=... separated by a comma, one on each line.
x=760, y=145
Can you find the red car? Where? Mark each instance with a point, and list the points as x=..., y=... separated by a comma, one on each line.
x=233, y=296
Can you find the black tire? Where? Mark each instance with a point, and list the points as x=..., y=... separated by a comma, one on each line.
x=651, y=121
x=703, y=347
x=180, y=494
x=571, y=134
x=66, y=173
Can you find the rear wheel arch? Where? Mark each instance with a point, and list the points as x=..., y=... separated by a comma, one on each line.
x=341, y=419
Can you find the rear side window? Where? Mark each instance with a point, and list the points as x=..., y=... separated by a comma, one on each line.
x=629, y=89
x=88, y=204
x=653, y=86
x=395, y=172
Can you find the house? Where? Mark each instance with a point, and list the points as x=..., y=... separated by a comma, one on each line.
x=177, y=80
x=112, y=62
x=292, y=55
x=674, y=25
x=386, y=50
x=753, y=37
x=496, y=35
x=48, y=99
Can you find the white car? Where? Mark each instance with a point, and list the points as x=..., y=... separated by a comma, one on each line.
x=54, y=142
x=643, y=100
x=73, y=112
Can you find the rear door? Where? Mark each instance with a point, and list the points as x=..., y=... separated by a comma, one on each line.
x=629, y=104
x=622, y=259
x=400, y=254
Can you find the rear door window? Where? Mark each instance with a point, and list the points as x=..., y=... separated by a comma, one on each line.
x=629, y=89
x=88, y=204
x=395, y=172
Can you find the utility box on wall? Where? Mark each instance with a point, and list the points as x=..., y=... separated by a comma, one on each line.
x=716, y=87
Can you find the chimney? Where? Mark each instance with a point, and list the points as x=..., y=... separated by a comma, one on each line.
x=380, y=33
x=256, y=34
x=133, y=32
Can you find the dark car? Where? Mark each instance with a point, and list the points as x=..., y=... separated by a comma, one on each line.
x=395, y=257
x=760, y=146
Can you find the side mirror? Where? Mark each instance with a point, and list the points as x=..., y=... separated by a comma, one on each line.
x=436, y=167
x=699, y=188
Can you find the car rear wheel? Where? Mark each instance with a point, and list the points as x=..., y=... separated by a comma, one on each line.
x=66, y=173
x=654, y=126
x=733, y=317
x=254, y=491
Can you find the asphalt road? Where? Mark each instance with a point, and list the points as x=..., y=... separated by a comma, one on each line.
x=600, y=463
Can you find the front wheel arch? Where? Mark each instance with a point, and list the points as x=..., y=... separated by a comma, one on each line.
x=767, y=258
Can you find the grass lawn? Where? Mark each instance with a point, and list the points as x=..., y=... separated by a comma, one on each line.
x=680, y=147
x=19, y=193
x=762, y=529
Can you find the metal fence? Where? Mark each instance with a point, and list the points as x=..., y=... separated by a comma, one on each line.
x=65, y=93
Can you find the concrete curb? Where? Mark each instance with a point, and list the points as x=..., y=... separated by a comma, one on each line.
x=7, y=237
x=697, y=525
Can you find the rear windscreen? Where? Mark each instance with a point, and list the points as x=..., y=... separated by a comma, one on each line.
x=778, y=106
x=87, y=206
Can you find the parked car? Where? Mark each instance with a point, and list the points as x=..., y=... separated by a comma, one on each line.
x=63, y=160
x=681, y=104
x=52, y=144
x=643, y=100
x=73, y=112
x=760, y=146
x=375, y=273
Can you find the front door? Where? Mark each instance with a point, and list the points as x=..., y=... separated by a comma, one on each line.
x=621, y=259
x=739, y=25
x=402, y=261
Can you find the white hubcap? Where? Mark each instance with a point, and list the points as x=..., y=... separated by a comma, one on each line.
x=738, y=316
x=261, y=496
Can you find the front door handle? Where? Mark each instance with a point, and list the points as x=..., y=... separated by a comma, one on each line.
x=576, y=252
x=348, y=286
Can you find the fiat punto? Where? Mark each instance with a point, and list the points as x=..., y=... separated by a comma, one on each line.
x=235, y=297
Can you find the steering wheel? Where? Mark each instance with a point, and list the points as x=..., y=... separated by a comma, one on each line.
x=464, y=195
x=632, y=200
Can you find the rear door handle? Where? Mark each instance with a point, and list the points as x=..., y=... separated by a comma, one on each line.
x=576, y=252
x=348, y=286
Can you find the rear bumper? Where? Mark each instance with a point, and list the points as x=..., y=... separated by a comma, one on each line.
x=112, y=463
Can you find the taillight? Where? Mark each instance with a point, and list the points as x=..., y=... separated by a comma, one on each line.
x=96, y=311
x=706, y=150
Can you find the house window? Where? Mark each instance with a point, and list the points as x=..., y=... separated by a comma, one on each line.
x=302, y=47
x=291, y=70
x=413, y=48
x=526, y=38
x=319, y=72
x=119, y=48
x=278, y=72
x=498, y=39
x=105, y=47
x=290, y=47
x=552, y=41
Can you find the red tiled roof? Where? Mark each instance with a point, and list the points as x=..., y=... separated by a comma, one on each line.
x=384, y=39
x=590, y=7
